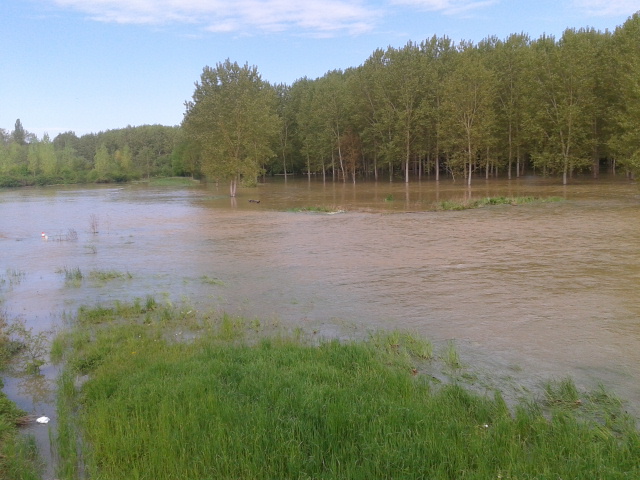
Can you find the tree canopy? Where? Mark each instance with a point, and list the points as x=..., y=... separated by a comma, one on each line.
x=233, y=122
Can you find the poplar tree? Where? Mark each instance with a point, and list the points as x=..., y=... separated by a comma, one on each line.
x=48, y=157
x=233, y=121
x=468, y=105
x=564, y=94
x=19, y=134
x=625, y=141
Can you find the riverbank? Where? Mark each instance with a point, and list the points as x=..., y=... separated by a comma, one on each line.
x=167, y=392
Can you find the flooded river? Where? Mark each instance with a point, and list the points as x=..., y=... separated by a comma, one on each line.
x=534, y=292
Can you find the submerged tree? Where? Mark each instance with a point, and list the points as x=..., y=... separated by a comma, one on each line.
x=233, y=121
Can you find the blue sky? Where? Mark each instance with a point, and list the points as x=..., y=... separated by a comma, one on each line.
x=94, y=65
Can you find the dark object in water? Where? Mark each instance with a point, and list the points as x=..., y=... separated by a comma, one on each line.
x=254, y=201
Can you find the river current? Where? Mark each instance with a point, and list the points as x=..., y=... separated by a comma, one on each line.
x=531, y=292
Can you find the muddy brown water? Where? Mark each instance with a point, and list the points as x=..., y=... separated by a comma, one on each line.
x=528, y=292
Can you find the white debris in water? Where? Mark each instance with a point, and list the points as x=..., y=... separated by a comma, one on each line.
x=43, y=420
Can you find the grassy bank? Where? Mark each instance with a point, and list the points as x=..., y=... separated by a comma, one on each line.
x=18, y=455
x=168, y=394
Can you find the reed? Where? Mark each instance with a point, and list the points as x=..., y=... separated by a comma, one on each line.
x=226, y=407
x=72, y=276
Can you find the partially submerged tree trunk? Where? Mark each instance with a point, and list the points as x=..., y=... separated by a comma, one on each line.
x=233, y=185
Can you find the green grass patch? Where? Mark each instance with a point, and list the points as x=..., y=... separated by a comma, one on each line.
x=318, y=209
x=225, y=405
x=18, y=453
x=211, y=280
x=107, y=275
x=489, y=201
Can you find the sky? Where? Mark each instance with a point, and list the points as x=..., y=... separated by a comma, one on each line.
x=94, y=65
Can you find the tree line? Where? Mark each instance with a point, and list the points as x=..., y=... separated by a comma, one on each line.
x=113, y=156
x=550, y=106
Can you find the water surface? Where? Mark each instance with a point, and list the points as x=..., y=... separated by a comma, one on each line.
x=529, y=292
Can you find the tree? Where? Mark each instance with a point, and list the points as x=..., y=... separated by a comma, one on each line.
x=48, y=157
x=625, y=141
x=287, y=118
x=103, y=162
x=509, y=64
x=564, y=94
x=233, y=120
x=19, y=135
x=315, y=140
x=468, y=106
x=441, y=54
x=403, y=89
x=332, y=109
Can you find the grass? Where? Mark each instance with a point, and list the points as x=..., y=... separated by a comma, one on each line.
x=224, y=404
x=106, y=275
x=211, y=280
x=72, y=276
x=450, y=356
x=18, y=455
x=488, y=201
x=317, y=209
x=15, y=276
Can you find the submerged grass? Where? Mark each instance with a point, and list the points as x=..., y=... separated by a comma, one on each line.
x=72, y=276
x=488, y=201
x=106, y=275
x=221, y=405
x=316, y=209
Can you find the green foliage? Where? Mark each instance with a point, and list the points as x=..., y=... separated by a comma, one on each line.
x=450, y=356
x=106, y=275
x=489, y=201
x=72, y=276
x=218, y=406
x=210, y=280
x=18, y=456
x=232, y=119
x=31, y=347
x=316, y=209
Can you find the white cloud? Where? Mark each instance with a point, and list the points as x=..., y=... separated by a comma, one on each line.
x=449, y=7
x=314, y=16
x=606, y=8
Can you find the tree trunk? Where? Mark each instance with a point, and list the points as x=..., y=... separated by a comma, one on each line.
x=407, y=156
